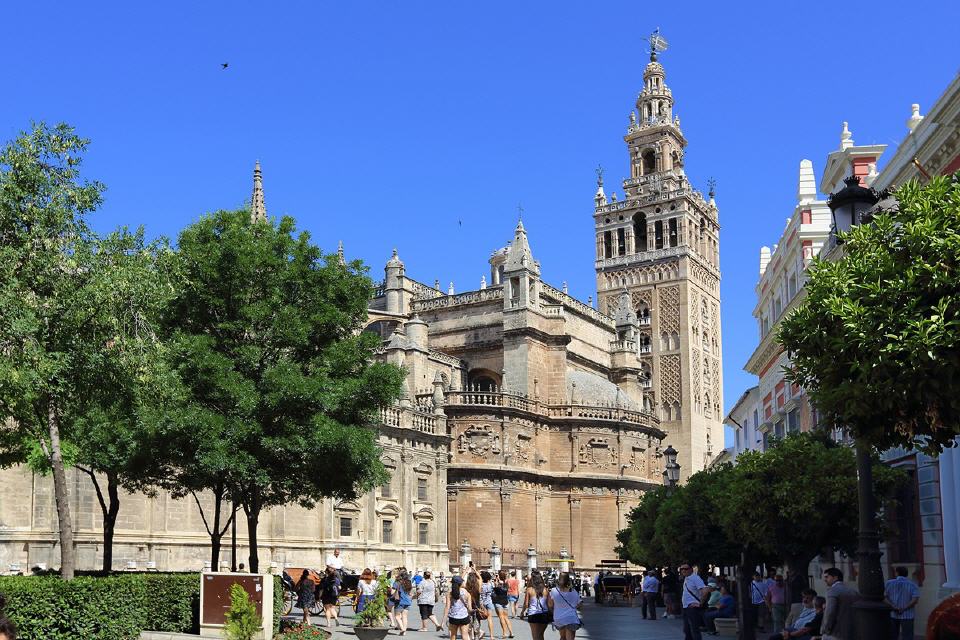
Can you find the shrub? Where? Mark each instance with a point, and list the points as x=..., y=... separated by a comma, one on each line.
x=115, y=607
x=242, y=619
x=277, y=602
x=376, y=609
x=304, y=632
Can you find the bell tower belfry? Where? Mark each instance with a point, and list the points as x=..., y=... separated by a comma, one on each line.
x=660, y=242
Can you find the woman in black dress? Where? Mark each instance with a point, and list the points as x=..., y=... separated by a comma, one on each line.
x=306, y=596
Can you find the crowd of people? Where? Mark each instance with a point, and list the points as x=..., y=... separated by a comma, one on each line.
x=477, y=602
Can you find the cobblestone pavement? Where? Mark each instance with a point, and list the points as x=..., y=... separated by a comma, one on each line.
x=600, y=623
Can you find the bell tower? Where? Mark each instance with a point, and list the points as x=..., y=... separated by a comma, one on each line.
x=660, y=242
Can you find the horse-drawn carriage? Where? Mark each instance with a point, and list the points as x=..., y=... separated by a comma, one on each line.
x=615, y=585
x=291, y=588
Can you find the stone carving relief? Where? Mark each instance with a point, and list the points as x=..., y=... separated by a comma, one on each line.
x=670, y=380
x=704, y=277
x=523, y=447
x=479, y=441
x=669, y=309
x=697, y=387
x=638, y=459
x=597, y=452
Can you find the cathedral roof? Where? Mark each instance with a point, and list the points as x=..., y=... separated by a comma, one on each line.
x=588, y=388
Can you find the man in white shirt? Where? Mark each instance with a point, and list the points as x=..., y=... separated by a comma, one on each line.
x=649, y=588
x=690, y=597
x=334, y=561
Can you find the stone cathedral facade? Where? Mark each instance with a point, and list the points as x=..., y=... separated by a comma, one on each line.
x=530, y=422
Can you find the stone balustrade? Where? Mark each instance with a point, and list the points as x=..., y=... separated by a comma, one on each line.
x=551, y=409
x=467, y=297
x=552, y=293
x=407, y=418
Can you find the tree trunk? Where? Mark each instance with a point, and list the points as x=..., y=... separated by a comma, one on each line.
x=746, y=618
x=61, y=495
x=215, y=532
x=109, y=509
x=251, y=507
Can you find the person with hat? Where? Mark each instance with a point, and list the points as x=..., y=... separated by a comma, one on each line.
x=459, y=604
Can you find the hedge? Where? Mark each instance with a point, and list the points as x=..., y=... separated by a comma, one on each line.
x=116, y=607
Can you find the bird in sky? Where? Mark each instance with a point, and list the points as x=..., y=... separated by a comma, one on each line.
x=460, y=222
x=224, y=65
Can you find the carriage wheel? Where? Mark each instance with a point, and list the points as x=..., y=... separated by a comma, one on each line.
x=289, y=598
x=317, y=608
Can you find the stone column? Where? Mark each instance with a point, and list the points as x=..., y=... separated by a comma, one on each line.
x=576, y=530
x=531, y=559
x=495, y=557
x=466, y=554
x=564, y=560
x=949, y=494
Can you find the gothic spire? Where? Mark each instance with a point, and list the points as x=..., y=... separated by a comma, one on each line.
x=340, y=259
x=258, y=210
x=520, y=256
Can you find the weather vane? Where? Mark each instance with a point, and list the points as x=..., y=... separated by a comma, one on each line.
x=712, y=183
x=520, y=211
x=657, y=43
x=599, y=171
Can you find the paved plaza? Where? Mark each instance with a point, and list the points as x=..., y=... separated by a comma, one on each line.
x=599, y=623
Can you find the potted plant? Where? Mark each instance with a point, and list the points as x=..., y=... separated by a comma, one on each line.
x=368, y=624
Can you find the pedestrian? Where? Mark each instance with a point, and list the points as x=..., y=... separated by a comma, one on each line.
x=671, y=591
x=808, y=621
x=8, y=630
x=597, y=583
x=306, y=595
x=585, y=582
x=690, y=598
x=458, y=607
x=648, y=595
x=391, y=601
x=486, y=598
x=501, y=602
x=513, y=592
x=536, y=605
x=366, y=589
x=329, y=594
x=426, y=599
x=564, y=603
x=902, y=596
x=777, y=602
x=401, y=589
x=839, y=618
x=479, y=612
x=758, y=602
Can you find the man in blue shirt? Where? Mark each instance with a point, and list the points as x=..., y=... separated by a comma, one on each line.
x=806, y=623
x=725, y=609
x=902, y=596
x=649, y=589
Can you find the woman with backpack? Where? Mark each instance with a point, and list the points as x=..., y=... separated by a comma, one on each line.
x=536, y=604
x=329, y=594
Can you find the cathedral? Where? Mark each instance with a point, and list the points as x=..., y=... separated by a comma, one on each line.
x=531, y=423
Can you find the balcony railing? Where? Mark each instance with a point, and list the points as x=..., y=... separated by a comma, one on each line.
x=551, y=409
x=407, y=418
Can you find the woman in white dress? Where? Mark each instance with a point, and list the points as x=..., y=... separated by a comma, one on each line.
x=564, y=602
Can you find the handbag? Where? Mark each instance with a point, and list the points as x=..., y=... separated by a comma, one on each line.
x=482, y=613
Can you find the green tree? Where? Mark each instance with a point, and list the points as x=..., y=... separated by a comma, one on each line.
x=46, y=312
x=637, y=543
x=876, y=342
x=242, y=621
x=267, y=338
x=797, y=499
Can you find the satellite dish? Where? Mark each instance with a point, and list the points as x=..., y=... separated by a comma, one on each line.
x=657, y=42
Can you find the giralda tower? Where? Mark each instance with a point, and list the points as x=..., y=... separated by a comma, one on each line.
x=661, y=243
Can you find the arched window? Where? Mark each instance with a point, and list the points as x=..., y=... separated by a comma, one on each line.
x=640, y=232
x=382, y=328
x=673, y=232
x=482, y=380
x=658, y=234
x=649, y=162
x=607, y=244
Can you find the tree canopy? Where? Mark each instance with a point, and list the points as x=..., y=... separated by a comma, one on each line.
x=876, y=342
x=280, y=385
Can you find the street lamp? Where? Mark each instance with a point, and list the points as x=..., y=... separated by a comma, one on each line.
x=850, y=206
x=671, y=472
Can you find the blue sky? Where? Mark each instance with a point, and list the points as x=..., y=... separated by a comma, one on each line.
x=389, y=124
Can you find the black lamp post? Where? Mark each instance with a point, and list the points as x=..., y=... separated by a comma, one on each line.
x=671, y=472
x=850, y=206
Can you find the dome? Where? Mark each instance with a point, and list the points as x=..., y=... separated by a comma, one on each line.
x=588, y=388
